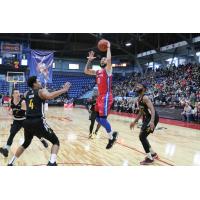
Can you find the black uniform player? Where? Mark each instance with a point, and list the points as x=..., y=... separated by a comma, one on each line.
x=18, y=108
x=150, y=120
x=35, y=124
x=92, y=116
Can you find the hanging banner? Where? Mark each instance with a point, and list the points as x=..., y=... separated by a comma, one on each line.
x=41, y=63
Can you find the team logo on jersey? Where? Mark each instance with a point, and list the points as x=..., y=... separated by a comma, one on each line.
x=31, y=96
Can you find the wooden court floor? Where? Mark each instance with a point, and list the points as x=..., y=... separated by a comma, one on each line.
x=175, y=145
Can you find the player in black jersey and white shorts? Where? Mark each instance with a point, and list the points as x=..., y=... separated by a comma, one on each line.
x=18, y=108
x=150, y=120
x=35, y=123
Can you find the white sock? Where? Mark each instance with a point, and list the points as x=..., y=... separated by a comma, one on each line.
x=53, y=158
x=12, y=160
x=110, y=135
x=149, y=156
x=7, y=147
x=151, y=151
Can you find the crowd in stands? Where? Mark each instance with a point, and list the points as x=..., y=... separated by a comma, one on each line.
x=171, y=86
x=127, y=105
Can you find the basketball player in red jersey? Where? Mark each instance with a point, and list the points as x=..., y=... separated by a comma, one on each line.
x=105, y=97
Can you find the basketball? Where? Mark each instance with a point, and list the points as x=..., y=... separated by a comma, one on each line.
x=102, y=45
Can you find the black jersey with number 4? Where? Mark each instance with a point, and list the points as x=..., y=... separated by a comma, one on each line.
x=34, y=104
x=18, y=113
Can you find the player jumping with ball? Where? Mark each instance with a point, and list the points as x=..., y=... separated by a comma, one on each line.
x=105, y=98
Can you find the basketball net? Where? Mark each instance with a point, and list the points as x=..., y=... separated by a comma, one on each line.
x=14, y=83
x=45, y=83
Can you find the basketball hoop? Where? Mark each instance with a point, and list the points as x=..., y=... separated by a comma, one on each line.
x=15, y=77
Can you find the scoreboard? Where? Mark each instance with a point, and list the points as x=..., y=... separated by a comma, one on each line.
x=13, y=54
x=11, y=47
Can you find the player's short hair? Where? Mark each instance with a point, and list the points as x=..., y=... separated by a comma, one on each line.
x=14, y=89
x=31, y=81
x=144, y=85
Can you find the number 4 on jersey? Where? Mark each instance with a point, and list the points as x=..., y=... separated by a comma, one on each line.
x=31, y=104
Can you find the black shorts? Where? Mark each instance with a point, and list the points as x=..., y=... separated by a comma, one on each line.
x=16, y=126
x=146, y=127
x=93, y=115
x=38, y=127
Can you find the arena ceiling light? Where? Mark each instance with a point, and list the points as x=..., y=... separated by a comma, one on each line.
x=149, y=65
x=0, y=61
x=128, y=44
x=170, y=59
x=198, y=53
x=24, y=62
x=54, y=65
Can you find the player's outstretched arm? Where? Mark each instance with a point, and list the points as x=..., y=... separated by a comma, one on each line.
x=109, y=64
x=44, y=94
x=88, y=69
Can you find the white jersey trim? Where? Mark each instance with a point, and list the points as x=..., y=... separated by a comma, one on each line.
x=19, y=119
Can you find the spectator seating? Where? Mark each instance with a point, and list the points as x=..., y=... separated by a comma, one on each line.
x=80, y=84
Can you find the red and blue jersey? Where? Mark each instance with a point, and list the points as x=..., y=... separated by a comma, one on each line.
x=104, y=82
x=105, y=98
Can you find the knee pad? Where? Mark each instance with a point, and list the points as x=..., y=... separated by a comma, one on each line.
x=58, y=142
x=26, y=143
x=55, y=141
